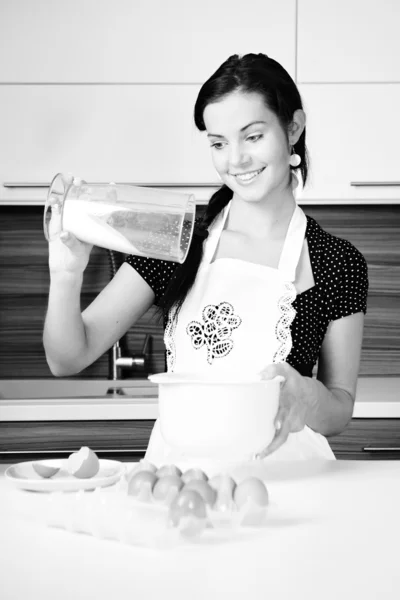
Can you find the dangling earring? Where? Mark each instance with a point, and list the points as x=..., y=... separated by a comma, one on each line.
x=295, y=159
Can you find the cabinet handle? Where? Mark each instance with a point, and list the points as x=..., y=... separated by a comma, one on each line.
x=374, y=183
x=70, y=450
x=383, y=449
x=153, y=185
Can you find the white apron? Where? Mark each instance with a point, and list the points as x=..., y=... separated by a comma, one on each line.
x=236, y=319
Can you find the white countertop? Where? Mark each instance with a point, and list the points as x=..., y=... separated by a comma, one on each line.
x=333, y=532
x=377, y=397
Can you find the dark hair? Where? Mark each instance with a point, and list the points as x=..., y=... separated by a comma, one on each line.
x=248, y=73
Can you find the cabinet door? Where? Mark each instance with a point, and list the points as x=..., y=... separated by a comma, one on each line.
x=348, y=41
x=353, y=137
x=131, y=134
x=375, y=439
x=125, y=440
x=138, y=41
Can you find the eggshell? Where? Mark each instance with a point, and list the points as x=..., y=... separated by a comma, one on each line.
x=205, y=490
x=169, y=470
x=251, y=490
x=142, y=465
x=166, y=488
x=225, y=487
x=83, y=464
x=141, y=485
x=44, y=470
x=187, y=512
x=193, y=474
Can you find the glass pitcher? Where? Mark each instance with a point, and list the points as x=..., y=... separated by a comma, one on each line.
x=126, y=218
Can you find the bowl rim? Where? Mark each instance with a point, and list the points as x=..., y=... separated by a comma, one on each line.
x=205, y=379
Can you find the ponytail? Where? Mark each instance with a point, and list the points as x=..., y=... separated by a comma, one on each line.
x=185, y=274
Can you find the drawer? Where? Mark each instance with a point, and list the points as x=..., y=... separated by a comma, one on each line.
x=376, y=439
x=122, y=440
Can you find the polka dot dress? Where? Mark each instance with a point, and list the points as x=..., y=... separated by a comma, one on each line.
x=341, y=288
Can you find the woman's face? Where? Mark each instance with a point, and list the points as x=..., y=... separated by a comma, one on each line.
x=248, y=145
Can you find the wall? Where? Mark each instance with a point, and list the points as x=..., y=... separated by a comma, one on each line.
x=374, y=230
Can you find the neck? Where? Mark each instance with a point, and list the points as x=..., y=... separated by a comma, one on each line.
x=263, y=219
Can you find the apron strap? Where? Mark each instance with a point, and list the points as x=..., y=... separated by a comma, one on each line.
x=293, y=245
x=214, y=235
x=291, y=249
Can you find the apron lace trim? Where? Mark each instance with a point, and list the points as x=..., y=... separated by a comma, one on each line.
x=169, y=341
x=282, y=329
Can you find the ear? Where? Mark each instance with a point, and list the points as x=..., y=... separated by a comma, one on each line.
x=297, y=126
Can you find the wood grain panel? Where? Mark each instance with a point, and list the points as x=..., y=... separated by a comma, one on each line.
x=363, y=433
x=374, y=230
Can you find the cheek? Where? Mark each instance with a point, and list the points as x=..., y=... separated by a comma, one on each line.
x=219, y=162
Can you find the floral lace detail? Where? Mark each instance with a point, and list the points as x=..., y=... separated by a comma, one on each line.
x=282, y=329
x=219, y=323
x=169, y=341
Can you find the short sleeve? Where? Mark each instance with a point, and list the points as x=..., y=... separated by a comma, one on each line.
x=157, y=273
x=349, y=295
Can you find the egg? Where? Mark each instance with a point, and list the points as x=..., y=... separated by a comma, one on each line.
x=225, y=487
x=142, y=465
x=187, y=512
x=205, y=490
x=251, y=490
x=83, y=464
x=169, y=470
x=141, y=485
x=44, y=469
x=166, y=488
x=217, y=480
x=193, y=474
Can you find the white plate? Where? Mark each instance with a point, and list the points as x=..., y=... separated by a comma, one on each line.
x=23, y=476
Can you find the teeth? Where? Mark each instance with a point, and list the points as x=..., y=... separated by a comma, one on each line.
x=248, y=176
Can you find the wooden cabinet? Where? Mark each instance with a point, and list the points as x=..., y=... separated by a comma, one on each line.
x=127, y=41
x=375, y=439
x=348, y=41
x=352, y=139
x=23, y=440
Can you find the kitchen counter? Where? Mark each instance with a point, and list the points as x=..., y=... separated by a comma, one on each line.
x=333, y=532
x=377, y=397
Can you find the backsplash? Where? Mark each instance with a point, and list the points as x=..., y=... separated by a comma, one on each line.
x=374, y=230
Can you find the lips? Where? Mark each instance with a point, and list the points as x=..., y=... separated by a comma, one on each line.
x=249, y=176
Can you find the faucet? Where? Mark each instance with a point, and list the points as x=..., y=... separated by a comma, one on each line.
x=118, y=362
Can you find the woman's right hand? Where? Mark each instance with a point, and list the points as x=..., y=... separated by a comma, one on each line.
x=67, y=254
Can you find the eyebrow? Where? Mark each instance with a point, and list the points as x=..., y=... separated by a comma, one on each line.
x=243, y=129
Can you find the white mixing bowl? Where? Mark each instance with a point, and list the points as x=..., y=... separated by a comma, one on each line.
x=217, y=417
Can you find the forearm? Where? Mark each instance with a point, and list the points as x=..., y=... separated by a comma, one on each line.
x=330, y=411
x=64, y=336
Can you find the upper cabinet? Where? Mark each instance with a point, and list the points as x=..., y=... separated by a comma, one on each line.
x=352, y=135
x=348, y=41
x=138, y=41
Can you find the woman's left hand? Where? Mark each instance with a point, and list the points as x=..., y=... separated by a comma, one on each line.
x=294, y=404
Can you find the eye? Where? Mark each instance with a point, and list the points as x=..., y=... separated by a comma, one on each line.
x=255, y=138
x=217, y=145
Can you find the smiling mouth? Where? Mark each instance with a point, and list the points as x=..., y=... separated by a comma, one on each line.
x=248, y=176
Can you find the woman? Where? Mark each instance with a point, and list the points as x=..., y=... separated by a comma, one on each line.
x=263, y=289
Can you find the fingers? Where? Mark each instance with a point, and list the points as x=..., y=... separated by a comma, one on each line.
x=281, y=435
x=54, y=227
x=69, y=240
x=271, y=371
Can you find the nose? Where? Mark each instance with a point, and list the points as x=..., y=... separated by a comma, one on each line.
x=238, y=157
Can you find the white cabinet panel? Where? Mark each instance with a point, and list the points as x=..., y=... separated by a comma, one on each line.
x=352, y=134
x=348, y=41
x=146, y=41
x=133, y=134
